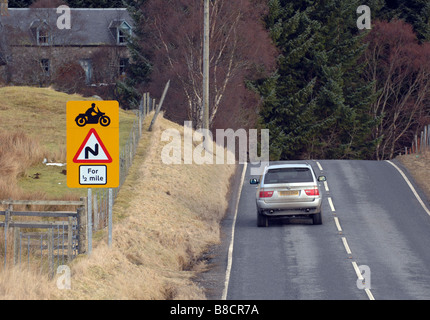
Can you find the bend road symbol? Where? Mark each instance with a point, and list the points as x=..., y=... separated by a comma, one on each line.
x=92, y=150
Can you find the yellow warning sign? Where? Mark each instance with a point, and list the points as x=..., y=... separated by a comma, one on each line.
x=92, y=144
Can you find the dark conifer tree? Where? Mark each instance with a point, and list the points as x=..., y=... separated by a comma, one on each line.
x=343, y=96
x=316, y=106
x=288, y=108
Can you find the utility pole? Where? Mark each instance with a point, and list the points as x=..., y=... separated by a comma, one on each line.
x=205, y=106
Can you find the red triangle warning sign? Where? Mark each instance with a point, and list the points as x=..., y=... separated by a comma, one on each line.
x=92, y=150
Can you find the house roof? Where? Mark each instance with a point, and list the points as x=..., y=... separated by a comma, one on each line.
x=88, y=26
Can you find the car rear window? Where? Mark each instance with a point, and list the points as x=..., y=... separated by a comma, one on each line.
x=288, y=175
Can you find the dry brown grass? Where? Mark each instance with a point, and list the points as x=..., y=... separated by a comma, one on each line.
x=18, y=152
x=23, y=284
x=165, y=218
x=418, y=165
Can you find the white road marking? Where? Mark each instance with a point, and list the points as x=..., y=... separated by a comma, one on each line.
x=345, y=244
x=336, y=221
x=319, y=166
x=411, y=187
x=326, y=186
x=360, y=276
x=330, y=202
x=230, y=249
x=369, y=294
x=357, y=270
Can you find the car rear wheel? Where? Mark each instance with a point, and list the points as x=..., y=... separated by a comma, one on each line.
x=317, y=218
x=262, y=220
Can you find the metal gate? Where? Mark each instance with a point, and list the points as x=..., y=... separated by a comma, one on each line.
x=42, y=239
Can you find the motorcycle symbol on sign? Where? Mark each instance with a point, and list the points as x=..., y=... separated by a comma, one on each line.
x=91, y=116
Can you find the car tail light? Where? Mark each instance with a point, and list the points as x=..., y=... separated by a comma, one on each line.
x=312, y=192
x=266, y=194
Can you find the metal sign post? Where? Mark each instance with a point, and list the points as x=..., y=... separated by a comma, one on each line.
x=110, y=217
x=90, y=221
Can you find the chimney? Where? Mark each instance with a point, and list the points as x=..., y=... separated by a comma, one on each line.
x=4, y=6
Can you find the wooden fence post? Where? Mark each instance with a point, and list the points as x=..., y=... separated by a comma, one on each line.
x=157, y=111
x=146, y=103
x=428, y=135
x=140, y=115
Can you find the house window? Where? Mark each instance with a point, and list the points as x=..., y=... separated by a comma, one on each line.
x=120, y=30
x=123, y=64
x=86, y=64
x=123, y=31
x=41, y=32
x=45, y=65
x=43, y=36
x=121, y=37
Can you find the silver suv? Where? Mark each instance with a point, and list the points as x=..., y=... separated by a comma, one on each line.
x=288, y=190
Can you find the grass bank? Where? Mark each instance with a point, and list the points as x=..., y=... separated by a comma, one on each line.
x=166, y=217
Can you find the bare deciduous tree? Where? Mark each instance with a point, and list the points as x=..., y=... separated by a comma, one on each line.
x=399, y=68
x=238, y=44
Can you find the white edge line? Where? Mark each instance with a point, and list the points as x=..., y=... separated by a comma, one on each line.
x=411, y=187
x=230, y=249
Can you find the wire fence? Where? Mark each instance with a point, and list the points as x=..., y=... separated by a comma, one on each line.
x=421, y=142
x=98, y=199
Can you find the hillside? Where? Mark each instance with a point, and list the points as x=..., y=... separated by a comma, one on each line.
x=165, y=218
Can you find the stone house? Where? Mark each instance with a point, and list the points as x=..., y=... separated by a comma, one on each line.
x=37, y=48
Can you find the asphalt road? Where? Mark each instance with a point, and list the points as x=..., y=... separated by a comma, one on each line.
x=371, y=220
